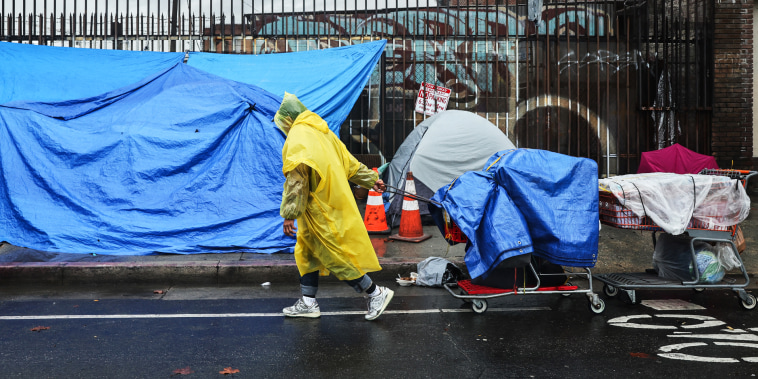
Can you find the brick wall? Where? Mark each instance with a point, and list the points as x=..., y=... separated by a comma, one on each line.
x=732, y=133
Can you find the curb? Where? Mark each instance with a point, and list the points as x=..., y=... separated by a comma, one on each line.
x=169, y=273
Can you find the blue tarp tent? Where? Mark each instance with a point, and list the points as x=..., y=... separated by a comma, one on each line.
x=327, y=81
x=54, y=74
x=549, y=199
x=186, y=162
x=178, y=161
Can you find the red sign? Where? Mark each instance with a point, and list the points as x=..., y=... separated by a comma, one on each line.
x=432, y=99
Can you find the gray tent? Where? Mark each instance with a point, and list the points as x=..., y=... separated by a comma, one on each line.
x=439, y=150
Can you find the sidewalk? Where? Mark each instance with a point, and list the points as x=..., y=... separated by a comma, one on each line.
x=619, y=251
x=21, y=265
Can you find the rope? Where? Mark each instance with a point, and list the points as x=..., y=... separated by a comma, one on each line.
x=498, y=158
x=413, y=196
x=641, y=202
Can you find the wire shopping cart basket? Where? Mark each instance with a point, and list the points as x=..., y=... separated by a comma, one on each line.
x=614, y=213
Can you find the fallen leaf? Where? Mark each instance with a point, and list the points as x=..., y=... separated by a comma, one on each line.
x=39, y=328
x=183, y=371
x=640, y=355
x=159, y=292
x=229, y=370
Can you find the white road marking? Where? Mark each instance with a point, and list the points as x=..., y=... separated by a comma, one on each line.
x=688, y=357
x=229, y=315
x=706, y=321
x=624, y=322
x=717, y=336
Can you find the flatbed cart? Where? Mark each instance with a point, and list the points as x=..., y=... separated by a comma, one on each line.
x=478, y=295
x=613, y=214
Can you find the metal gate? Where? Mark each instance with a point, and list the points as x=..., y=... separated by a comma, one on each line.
x=605, y=80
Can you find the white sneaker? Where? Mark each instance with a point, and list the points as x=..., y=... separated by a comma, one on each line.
x=302, y=310
x=377, y=304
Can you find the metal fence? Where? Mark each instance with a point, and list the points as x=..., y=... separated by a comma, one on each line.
x=605, y=80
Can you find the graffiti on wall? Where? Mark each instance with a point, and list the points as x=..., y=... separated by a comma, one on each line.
x=574, y=20
x=444, y=56
x=434, y=46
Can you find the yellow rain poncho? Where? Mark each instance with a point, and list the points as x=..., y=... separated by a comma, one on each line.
x=331, y=236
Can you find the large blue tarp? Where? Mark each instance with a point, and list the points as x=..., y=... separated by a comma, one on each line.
x=550, y=197
x=327, y=81
x=131, y=153
x=54, y=74
x=184, y=162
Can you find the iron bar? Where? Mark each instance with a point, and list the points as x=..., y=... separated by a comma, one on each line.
x=582, y=82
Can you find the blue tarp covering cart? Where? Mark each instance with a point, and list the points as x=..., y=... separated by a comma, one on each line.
x=168, y=158
x=525, y=201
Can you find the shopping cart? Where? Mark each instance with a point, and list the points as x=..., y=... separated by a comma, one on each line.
x=741, y=175
x=614, y=214
x=515, y=209
x=477, y=295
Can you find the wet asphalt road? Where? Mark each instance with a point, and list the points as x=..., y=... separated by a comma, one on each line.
x=133, y=332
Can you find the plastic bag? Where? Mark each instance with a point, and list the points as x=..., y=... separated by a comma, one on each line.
x=709, y=267
x=672, y=257
x=727, y=257
x=435, y=271
x=672, y=201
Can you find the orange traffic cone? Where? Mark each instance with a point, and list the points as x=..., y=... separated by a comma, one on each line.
x=410, y=220
x=375, y=219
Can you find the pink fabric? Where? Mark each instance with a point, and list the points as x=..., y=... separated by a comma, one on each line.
x=677, y=159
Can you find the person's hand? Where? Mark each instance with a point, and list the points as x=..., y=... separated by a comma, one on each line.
x=379, y=186
x=289, y=228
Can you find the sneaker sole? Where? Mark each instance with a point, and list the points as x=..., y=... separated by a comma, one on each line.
x=384, y=306
x=306, y=315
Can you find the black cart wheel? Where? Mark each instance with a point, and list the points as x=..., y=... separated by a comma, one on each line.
x=479, y=305
x=750, y=303
x=610, y=290
x=598, y=307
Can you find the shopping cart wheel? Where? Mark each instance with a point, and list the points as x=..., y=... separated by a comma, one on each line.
x=479, y=305
x=598, y=307
x=567, y=294
x=750, y=303
x=610, y=290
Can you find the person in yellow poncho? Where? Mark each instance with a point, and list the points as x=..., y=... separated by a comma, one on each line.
x=331, y=236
